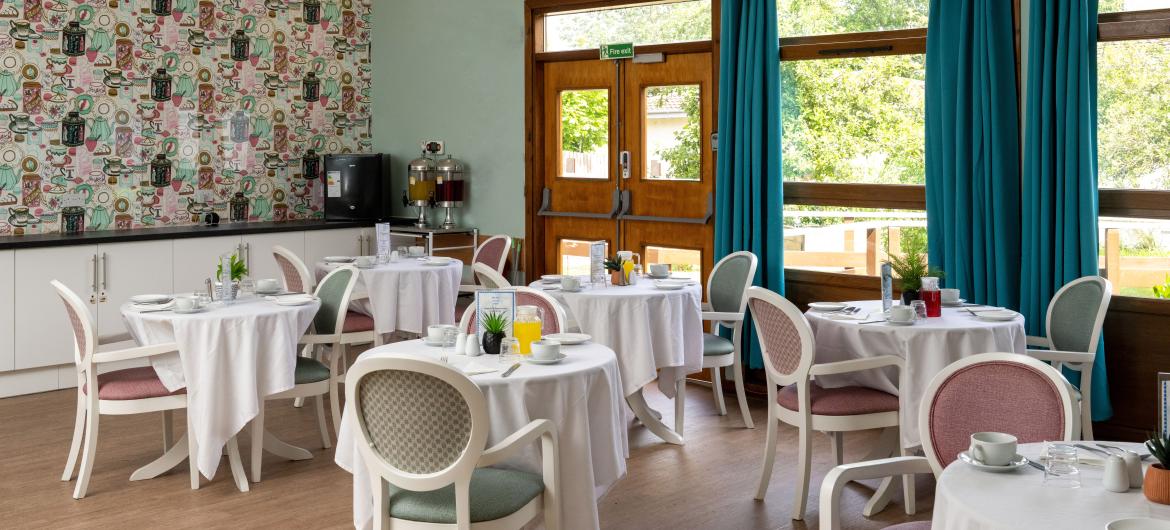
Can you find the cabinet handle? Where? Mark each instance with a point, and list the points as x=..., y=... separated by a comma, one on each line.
x=248, y=256
x=105, y=272
x=361, y=247
x=93, y=279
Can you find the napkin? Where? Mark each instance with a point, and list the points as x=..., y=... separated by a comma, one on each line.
x=864, y=315
x=152, y=307
x=477, y=368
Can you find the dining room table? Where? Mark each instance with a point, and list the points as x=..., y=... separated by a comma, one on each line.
x=927, y=346
x=581, y=395
x=404, y=295
x=657, y=334
x=967, y=498
x=230, y=356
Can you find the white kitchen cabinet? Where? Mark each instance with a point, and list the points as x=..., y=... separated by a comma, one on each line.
x=258, y=250
x=195, y=260
x=43, y=333
x=128, y=269
x=7, y=310
x=337, y=242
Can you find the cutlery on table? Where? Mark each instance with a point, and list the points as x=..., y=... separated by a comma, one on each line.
x=1101, y=452
x=511, y=369
x=1034, y=464
x=155, y=310
x=1142, y=456
x=870, y=322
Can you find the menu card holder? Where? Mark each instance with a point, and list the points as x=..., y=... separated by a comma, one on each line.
x=487, y=301
x=382, y=237
x=597, y=252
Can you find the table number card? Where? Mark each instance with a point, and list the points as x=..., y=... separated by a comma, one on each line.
x=382, y=233
x=490, y=302
x=597, y=252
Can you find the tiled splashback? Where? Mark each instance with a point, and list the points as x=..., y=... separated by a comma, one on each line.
x=139, y=113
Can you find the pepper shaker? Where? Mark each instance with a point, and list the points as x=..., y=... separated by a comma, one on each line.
x=1116, y=477
x=1133, y=464
x=461, y=344
x=471, y=346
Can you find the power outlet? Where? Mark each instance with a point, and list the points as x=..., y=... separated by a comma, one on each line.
x=434, y=147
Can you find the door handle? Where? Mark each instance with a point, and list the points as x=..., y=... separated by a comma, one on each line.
x=624, y=216
x=546, y=208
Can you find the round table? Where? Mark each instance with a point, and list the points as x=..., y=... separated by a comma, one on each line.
x=657, y=334
x=407, y=295
x=581, y=395
x=927, y=347
x=230, y=356
x=968, y=499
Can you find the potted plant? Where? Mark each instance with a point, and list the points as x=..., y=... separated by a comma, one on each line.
x=910, y=268
x=1156, y=486
x=237, y=273
x=616, y=274
x=493, y=324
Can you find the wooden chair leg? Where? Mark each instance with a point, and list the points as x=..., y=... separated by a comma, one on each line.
x=258, y=443
x=322, y=425
x=680, y=405
x=837, y=444
x=803, y=469
x=168, y=429
x=769, y=456
x=717, y=388
x=87, y=456
x=78, y=433
x=1086, y=421
x=334, y=395
x=741, y=396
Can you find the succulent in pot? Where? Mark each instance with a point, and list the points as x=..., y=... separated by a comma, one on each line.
x=1156, y=486
x=493, y=323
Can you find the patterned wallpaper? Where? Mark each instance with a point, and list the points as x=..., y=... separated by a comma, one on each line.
x=119, y=114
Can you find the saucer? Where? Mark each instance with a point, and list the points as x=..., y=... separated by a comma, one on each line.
x=569, y=339
x=189, y=311
x=563, y=290
x=653, y=277
x=900, y=323
x=436, y=344
x=1138, y=523
x=1016, y=463
x=997, y=316
x=151, y=299
x=532, y=360
x=269, y=293
x=956, y=303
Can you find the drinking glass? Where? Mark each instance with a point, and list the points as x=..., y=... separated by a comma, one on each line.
x=247, y=287
x=448, y=341
x=509, y=350
x=919, y=309
x=1061, y=467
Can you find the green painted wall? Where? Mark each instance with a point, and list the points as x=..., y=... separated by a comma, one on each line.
x=453, y=70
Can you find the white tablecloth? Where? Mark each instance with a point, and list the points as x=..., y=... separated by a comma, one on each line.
x=229, y=358
x=928, y=347
x=580, y=395
x=656, y=334
x=968, y=499
x=407, y=295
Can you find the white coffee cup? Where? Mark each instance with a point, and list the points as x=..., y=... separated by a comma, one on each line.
x=395, y=256
x=546, y=350
x=267, y=285
x=902, y=313
x=950, y=296
x=570, y=283
x=186, y=303
x=416, y=251
x=435, y=332
x=992, y=448
x=660, y=269
x=364, y=261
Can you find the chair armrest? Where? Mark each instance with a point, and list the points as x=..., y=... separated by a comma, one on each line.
x=856, y=365
x=837, y=477
x=513, y=444
x=135, y=353
x=722, y=317
x=115, y=338
x=311, y=338
x=1057, y=356
x=1038, y=342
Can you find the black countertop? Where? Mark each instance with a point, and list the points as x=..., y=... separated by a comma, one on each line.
x=178, y=232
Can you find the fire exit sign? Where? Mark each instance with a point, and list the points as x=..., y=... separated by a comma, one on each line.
x=624, y=50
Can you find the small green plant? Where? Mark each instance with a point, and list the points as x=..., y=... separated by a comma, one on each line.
x=911, y=268
x=614, y=264
x=494, y=322
x=1163, y=291
x=239, y=270
x=1160, y=448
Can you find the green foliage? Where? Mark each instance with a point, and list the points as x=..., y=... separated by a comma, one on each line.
x=910, y=268
x=1160, y=448
x=913, y=241
x=1163, y=291
x=684, y=157
x=614, y=264
x=494, y=322
x=584, y=120
x=650, y=24
x=239, y=270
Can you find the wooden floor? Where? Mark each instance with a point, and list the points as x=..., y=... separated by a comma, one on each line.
x=709, y=483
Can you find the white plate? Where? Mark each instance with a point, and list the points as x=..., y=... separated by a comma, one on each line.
x=668, y=286
x=338, y=259
x=899, y=323
x=997, y=316
x=826, y=306
x=267, y=293
x=532, y=360
x=551, y=278
x=563, y=290
x=1016, y=463
x=653, y=277
x=569, y=339
x=1138, y=523
x=437, y=263
x=958, y=303
x=151, y=298
x=190, y=311
x=292, y=300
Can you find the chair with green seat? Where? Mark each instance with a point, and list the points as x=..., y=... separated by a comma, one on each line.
x=726, y=302
x=421, y=430
x=1073, y=325
x=312, y=377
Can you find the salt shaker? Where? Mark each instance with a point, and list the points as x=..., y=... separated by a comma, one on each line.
x=1116, y=477
x=460, y=344
x=1133, y=464
x=471, y=346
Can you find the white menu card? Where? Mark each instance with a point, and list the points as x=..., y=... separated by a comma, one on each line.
x=597, y=252
x=494, y=302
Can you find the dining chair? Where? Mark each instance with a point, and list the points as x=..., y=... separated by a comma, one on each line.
x=1073, y=325
x=553, y=320
x=117, y=392
x=488, y=277
x=422, y=427
x=312, y=377
x=788, y=350
x=1000, y=392
x=494, y=253
x=725, y=307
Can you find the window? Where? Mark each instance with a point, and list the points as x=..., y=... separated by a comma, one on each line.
x=685, y=263
x=585, y=134
x=673, y=146
x=1133, y=145
x=684, y=21
x=853, y=82
x=574, y=257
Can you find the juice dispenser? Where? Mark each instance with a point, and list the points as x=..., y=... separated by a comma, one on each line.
x=420, y=191
x=449, y=187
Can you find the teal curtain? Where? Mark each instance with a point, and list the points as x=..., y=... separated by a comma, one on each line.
x=972, y=149
x=749, y=206
x=1060, y=164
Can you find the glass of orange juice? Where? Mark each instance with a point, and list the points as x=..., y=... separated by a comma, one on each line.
x=527, y=327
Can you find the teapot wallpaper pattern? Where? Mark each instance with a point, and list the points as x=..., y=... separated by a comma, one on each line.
x=118, y=114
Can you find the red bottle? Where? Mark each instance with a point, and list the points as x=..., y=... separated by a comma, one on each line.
x=931, y=294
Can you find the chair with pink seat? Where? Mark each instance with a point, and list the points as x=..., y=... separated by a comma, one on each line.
x=118, y=392
x=494, y=254
x=788, y=348
x=998, y=392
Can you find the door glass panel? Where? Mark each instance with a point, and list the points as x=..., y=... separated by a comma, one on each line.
x=672, y=129
x=573, y=257
x=685, y=263
x=656, y=23
x=585, y=134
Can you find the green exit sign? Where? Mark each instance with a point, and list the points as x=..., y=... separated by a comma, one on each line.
x=624, y=50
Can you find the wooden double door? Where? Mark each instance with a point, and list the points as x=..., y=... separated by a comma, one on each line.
x=627, y=158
